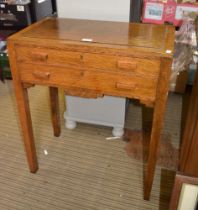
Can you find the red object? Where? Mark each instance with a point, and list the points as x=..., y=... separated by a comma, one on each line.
x=153, y=12
x=182, y=8
x=169, y=11
x=158, y=12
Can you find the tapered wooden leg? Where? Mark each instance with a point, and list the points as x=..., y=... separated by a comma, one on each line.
x=24, y=111
x=158, y=118
x=55, y=110
x=26, y=125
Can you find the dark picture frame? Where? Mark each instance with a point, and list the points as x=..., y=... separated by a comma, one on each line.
x=135, y=11
x=180, y=180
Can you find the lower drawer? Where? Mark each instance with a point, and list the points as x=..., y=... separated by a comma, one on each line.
x=118, y=84
x=48, y=75
x=108, y=83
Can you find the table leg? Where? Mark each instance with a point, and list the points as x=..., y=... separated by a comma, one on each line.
x=26, y=125
x=55, y=110
x=22, y=100
x=158, y=118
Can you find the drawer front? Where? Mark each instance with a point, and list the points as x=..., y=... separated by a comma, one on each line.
x=124, y=64
x=48, y=75
x=110, y=75
x=117, y=84
x=138, y=66
x=48, y=56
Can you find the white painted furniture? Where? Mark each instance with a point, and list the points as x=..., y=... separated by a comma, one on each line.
x=108, y=111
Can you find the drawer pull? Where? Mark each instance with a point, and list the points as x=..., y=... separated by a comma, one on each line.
x=128, y=65
x=41, y=75
x=39, y=56
x=125, y=86
x=81, y=57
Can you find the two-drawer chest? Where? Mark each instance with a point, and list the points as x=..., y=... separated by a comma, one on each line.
x=91, y=59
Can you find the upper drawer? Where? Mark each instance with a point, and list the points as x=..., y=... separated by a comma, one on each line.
x=48, y=56
x=143, y=67
x=124, y=64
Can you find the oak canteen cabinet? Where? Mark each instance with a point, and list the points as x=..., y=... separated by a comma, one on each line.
x=91, y=59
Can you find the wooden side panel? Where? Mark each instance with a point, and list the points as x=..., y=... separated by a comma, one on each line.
x=189, y=155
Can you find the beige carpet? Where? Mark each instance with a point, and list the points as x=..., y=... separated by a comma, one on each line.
x=82, y=170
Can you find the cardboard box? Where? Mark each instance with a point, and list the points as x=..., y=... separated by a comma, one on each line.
x=159, y=12
x=153, y=12
x=180, y=9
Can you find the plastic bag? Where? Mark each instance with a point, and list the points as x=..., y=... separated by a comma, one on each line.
x=185, y=43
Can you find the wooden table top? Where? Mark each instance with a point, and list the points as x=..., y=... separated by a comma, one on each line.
x=152, y=38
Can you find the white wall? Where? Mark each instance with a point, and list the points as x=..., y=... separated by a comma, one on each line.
x=113, y=10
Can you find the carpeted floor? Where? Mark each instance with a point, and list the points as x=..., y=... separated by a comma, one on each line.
x=81, y=170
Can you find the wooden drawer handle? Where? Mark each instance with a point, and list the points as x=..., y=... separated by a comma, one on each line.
x=41, y=75
x=128, y=65
x=39, y=56
x=125, y=86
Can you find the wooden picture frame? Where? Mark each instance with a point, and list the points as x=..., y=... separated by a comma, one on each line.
x=180, y=182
